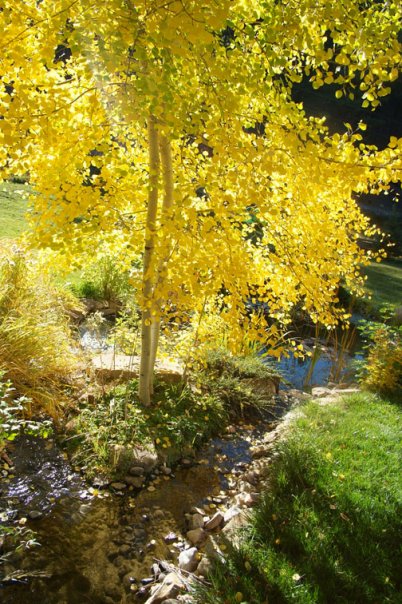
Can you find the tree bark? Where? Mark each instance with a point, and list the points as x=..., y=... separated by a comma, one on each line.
x=167, y=172
x=146, y=364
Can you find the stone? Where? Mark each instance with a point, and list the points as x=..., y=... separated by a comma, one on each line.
x=35, y=515
x=196, y=521
x=266, y=387
x=100, y=482
x=247, y=499
x=232, y=530
x=136, y=471
x=251, y=477
x=128, y=580
x=216, y=520
x=196, y=536
x=212, y=549
x=71, y=425
x=320, y=391
x=109, y=367
x=259, y=451
x=188, y=559
x=169, y=588
x=135, y=481
x=119, y=486
x=231, y=513
x=170, y=538
x=204, y=567
x=186, y=462
x=124, y=457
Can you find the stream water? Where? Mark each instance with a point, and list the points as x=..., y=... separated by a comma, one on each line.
x=98, y=548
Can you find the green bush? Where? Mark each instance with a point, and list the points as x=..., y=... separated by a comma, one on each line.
x=179, y=419
x=381, y=371
x=12, y=421
x=239, y=382
x=104, y=280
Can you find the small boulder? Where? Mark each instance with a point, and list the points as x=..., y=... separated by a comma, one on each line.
x=231, y=513
x=204, y=567
x=216, y=521
x=124, y=458
x=196, y=536
x=135, y=481
x=188, y=559
x=169, y=588
x=118, y=486
x=196, y=521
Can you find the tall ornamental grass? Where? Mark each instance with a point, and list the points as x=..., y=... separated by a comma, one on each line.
x=36, y=344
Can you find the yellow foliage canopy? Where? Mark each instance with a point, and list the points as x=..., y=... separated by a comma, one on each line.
x=264, y=197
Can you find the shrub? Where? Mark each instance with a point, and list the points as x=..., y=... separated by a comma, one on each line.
x=381, y=371
x=239, y=382
x=104, y=280
x=36, y=344
x=12, y=421
x=179, y=419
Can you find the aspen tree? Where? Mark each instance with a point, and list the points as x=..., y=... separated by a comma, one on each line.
x=180, y=116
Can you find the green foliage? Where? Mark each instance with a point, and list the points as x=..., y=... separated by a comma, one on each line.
x=220, y=362
x=12, y=421
x=240, y=382
x=328, y=528
x=125, y=334
x=179, y=419
x=381, y=371
x=36, y=344
x=104, y=280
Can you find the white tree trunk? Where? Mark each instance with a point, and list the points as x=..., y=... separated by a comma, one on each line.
x=167, y=171
x=146, y=364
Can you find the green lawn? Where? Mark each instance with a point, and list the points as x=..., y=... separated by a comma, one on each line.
x=328, y=530
x=12, y=209
x=385, y=282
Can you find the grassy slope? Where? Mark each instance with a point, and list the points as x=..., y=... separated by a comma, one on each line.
x=12, y=209
x=385, y=282
x=329, y=529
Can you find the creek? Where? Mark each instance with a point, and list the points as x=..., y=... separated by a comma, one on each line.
x=98, y=546
x=95, y=548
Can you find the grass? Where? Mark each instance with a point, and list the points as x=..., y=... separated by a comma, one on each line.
x=36, y=343
x=328, y=529
x=384, y=282
x=13, y=206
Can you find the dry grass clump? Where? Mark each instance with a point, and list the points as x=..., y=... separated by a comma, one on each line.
x=36, y=344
